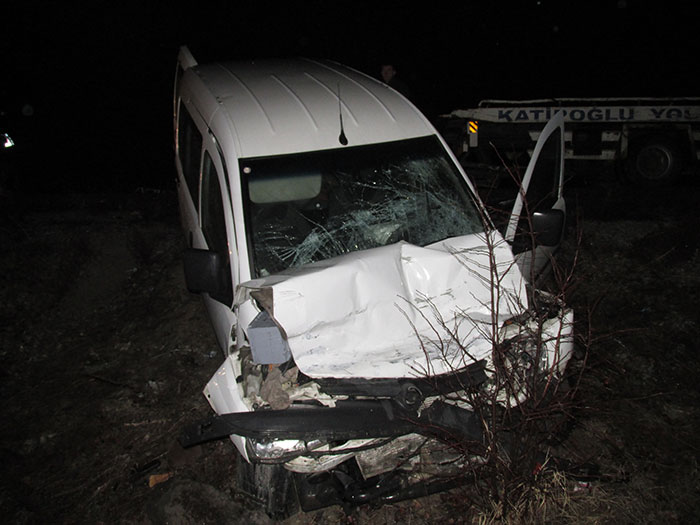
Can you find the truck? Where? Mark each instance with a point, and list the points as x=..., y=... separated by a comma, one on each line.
x=652, y=141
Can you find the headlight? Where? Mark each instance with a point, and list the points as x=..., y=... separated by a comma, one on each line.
x=525, y=353
x=531, y=348
x=525, y=359
x=518, y=362
x=279, y=450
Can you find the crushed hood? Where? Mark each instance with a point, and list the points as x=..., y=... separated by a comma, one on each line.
x=394, y=311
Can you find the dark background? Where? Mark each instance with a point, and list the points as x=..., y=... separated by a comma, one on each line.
x=99, y=75
x=105, y=353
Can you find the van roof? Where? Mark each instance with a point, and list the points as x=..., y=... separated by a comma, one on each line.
x=288, y=106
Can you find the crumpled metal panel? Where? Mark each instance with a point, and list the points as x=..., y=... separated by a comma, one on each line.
x=395, y=311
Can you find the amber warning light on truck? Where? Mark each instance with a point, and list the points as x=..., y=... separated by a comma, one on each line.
x=473, y=129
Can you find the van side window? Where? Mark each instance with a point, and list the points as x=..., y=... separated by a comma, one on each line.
x=213, y=222
x=190, y=150
x=544, y=185
x=542, y=192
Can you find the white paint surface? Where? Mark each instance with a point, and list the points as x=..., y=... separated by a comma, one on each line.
x=376, y=313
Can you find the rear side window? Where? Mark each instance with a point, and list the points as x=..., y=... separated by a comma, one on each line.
x=190, y=150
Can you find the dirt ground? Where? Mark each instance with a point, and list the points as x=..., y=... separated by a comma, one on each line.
x=105, y=354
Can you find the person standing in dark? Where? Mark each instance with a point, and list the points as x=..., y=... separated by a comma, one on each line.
x=390, y=78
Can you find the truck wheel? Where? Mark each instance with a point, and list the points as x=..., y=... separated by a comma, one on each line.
x=655, y=161
x=270, y=486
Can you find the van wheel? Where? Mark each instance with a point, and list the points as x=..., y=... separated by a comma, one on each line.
x=270, y=486
x=655, y=161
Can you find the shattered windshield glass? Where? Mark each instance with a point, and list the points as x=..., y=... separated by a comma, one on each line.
x=309, y=207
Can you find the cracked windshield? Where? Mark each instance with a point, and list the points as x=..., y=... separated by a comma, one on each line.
x=310, y=207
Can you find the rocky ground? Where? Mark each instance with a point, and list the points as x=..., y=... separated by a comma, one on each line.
x=104, y=355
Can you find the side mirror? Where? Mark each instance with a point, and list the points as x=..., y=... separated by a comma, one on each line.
x=206, y=272
x=548, y=227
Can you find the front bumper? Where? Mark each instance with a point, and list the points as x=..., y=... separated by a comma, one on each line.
x=410, y=439
x=348, y=420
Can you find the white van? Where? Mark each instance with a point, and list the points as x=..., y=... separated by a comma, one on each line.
x=352, y=276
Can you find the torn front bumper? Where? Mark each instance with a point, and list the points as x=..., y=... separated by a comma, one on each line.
x=347, y=421
x=398, y=453
x=364, y=409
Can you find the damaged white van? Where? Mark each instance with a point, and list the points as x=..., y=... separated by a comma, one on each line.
x=354, y=280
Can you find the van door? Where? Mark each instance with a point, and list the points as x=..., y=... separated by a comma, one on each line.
x=216, y=223
x=536, y=224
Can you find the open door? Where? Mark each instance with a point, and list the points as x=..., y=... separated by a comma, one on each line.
x=536, y=224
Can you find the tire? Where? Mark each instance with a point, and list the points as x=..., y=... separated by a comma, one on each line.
x=270, y=486
x=655, y=161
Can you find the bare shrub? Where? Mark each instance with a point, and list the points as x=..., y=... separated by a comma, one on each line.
x=529, y=397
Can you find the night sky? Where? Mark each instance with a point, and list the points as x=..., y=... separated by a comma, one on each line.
x=99, y=74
